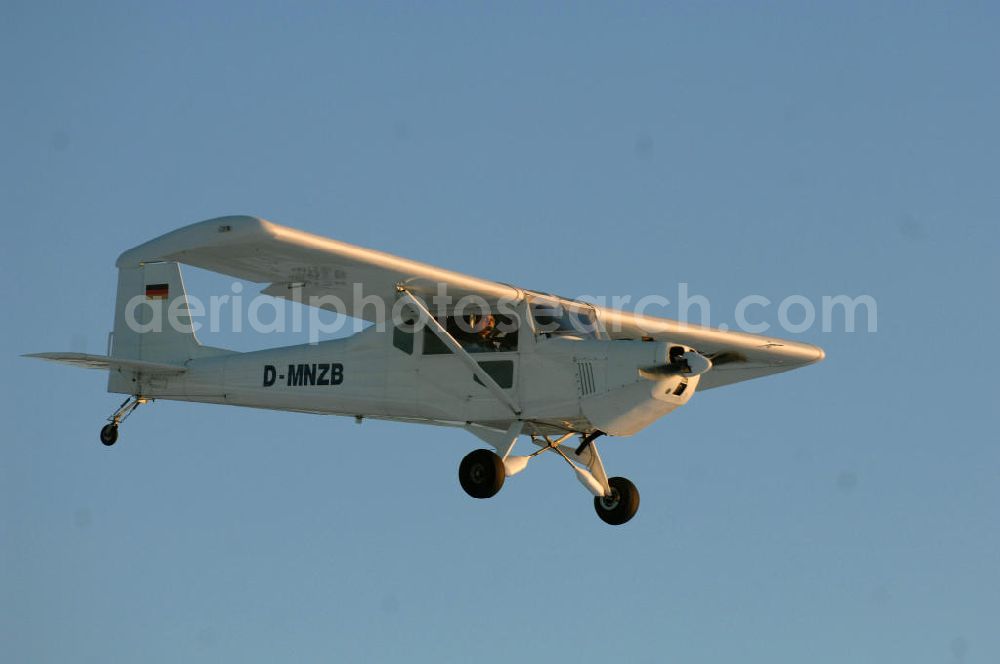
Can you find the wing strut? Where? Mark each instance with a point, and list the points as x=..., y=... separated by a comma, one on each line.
x=457, y=349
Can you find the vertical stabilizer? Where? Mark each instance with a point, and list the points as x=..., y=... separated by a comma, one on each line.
x=152, y=316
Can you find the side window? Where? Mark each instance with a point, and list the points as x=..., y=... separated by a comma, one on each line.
x=432, y=344
x=402, y=337
x=502, y=371
x=490, y=333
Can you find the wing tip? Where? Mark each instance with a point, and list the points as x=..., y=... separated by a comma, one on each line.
x=197, y=235
x=46, y=356
x=802, y=354
x=818, y=354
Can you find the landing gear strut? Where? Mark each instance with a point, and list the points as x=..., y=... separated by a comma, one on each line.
x=482, y=472
x=616, y=500
x=109, y=432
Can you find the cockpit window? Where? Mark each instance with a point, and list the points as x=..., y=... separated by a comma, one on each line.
x=476, y=333
x=402, y=337
x=559, y=317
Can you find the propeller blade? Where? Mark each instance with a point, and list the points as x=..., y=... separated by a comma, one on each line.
x=691, y=363
x=726, y=357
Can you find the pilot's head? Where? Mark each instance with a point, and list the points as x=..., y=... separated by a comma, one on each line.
x=482, y=324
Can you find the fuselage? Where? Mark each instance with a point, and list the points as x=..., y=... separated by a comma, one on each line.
x=568, y=383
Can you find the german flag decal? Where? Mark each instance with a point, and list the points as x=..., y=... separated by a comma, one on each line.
x=157, y=291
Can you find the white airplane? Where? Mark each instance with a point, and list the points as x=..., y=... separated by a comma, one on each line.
x=532, y=365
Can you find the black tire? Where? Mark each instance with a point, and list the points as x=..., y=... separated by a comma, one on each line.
x=481, y=474
x=109, y=434
x=622, y=505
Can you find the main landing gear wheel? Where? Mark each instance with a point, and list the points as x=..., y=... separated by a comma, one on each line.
x=481, y=474
x=621, y=505
x=109, y=434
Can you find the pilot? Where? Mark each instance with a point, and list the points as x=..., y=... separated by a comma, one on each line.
x=484, y=330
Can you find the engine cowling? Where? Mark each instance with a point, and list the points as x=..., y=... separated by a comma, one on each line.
x=637, y=391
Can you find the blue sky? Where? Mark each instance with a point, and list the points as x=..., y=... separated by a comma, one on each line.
x=843, y=513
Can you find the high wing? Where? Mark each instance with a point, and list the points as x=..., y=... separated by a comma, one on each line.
x=113, y=363
x=298, y=265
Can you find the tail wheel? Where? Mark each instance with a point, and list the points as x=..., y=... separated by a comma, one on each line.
x=109, y=434
x=621, y=505
x=481, y=474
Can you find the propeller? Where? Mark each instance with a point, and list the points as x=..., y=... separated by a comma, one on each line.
x=726, y=357
x=690, y=363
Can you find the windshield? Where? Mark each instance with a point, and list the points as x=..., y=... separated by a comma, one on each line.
x=558, y=317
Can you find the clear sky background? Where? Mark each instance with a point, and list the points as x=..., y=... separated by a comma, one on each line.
x=843, y=513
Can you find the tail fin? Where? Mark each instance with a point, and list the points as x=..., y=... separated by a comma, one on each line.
x=152, y=319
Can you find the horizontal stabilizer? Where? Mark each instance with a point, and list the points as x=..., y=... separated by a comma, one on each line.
x=114, y=363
